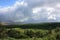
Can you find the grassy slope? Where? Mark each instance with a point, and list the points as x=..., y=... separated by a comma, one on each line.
x=35, y=27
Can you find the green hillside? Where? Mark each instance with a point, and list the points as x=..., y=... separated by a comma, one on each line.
x=40, y=31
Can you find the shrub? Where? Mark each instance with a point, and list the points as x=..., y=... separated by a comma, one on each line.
x=40, y=34
x=3, y=32
x=57, y=29
x=58, y=36
x=29, y=33
x=14, y=34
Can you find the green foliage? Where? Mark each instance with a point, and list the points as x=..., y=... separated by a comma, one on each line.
x=13, y=33
x=3, y=32
x=58, y=36
x=31, y=32
x=40, y=34
x=57, y=29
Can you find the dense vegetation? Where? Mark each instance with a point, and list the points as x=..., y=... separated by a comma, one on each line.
x=44, y=31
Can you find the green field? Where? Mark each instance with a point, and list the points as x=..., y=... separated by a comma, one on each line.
x=41, y=31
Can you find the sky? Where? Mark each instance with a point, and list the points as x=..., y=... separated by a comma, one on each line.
x=5, y=3
x=29, y=11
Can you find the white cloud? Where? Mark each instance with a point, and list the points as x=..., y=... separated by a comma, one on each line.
x=36, y=13
x=50, y=10
x=24, y=19
x=58, y=5
x=22, y=3
x=52, y=17
x=43, y=12
x=36, y=10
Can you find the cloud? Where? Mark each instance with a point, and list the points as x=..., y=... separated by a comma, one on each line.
x=21, y=20
x=58, y=5
x=13, y=12
x=36, y=10
x=52, y=17
x=18, y=4
x=22, y=3
x=36, y=13
x=43, y=12
x=31, y=10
